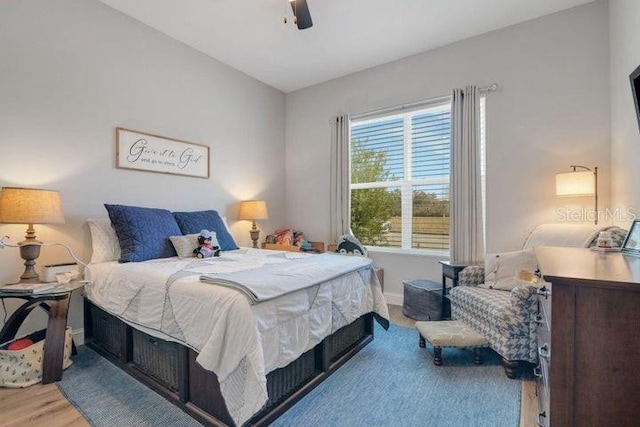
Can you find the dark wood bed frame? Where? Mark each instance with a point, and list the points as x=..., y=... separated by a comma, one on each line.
x=172, y=371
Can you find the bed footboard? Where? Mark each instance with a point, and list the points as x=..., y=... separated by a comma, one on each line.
x=171, y=370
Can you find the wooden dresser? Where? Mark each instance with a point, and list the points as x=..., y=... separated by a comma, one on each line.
x=591, y=359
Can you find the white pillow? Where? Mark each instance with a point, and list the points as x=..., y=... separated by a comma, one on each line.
x=501, y=270
x=104, y=241
x=185, y=245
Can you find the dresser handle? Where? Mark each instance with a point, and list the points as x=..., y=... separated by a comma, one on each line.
x=540, y=420
x=537, y=372
x=544, y=292
x=538, y=319
x=543, y=350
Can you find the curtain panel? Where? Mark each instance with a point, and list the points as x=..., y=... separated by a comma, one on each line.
x=467, y=234
x=340, y=196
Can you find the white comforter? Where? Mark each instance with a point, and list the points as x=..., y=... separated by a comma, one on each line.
x=238, y=341
x=286, y=272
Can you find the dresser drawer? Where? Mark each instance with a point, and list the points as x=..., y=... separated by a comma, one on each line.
x=543, y=331
x=544, y=306
x=544, y=344
x=543, y=320
x=543, y=326
x=542, y=390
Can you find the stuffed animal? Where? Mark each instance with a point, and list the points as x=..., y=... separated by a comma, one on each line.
x=271, y=238
x=208, y=245
x=284, y=236
x=301, y=241
x=348, y=244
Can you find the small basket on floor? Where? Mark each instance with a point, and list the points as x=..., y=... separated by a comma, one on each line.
x=422, y=299
x=22, y=368
x=450, y=333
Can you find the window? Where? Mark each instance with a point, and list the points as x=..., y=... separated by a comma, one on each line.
x=400, y=178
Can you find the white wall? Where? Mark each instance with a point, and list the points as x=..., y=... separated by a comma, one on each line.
x=552, y=110
x=624, y=25
x=73, y=70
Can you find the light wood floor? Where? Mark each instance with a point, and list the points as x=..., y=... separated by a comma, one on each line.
x=44, y=405
x=38, y=406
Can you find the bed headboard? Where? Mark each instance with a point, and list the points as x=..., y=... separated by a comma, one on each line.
x=571, y=235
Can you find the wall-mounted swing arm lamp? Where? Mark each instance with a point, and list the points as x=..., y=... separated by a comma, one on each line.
x=577, y=183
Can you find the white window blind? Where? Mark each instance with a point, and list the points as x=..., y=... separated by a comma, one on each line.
x=400, y=178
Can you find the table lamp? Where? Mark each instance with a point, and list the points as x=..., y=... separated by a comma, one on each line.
x=579, y=183
x=30, y=206
x=253, y=210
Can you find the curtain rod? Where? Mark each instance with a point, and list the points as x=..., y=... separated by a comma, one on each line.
x=486, y=89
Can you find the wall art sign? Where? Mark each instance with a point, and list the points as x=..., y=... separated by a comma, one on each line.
x=154, y=153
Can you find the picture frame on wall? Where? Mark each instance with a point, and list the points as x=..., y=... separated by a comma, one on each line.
x=634, y=78
x=631, y=243
x=154, y=153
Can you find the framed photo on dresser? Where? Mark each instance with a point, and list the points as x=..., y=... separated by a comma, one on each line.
x=634, y=77
x=631, y=243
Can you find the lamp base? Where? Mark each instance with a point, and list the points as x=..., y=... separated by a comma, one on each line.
x=255, y=235
x=29, y=252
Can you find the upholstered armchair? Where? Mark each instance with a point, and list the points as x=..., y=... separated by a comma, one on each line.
x=506, y=317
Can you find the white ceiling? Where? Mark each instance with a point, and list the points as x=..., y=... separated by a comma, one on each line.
x=347, y=35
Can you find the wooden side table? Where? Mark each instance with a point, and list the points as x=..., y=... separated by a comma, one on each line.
x=317, y=247
x=56, y=303
x=451, y=271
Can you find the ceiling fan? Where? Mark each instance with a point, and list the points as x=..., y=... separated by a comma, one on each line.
x=301, y=14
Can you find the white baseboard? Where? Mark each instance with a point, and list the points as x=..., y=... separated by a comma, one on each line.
x=78, y=336
x=394, y=299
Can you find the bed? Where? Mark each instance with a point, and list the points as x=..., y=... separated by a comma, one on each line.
x=225, y=358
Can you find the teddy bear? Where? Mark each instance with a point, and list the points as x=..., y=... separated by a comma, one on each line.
x=208, y=245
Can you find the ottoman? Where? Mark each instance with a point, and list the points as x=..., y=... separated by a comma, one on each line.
x=450, y=333
x=422, y=299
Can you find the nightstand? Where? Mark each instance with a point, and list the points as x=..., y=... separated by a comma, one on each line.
x=451, y=271
x=54, y=301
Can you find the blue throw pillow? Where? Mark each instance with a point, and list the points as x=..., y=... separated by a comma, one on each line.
x=193, y=222
x=143, y=233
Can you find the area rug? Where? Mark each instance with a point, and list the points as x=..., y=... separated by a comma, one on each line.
x=391, y=382
x=109, y=397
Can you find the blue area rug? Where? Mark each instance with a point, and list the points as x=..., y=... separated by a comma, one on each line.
x=107, y=396
x=391, y=382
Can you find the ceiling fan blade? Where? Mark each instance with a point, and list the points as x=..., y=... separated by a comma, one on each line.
x=303, y=16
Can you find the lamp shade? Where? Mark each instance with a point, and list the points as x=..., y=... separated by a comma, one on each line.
x=253, y=209
x=578, y=183
x=30, y=206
